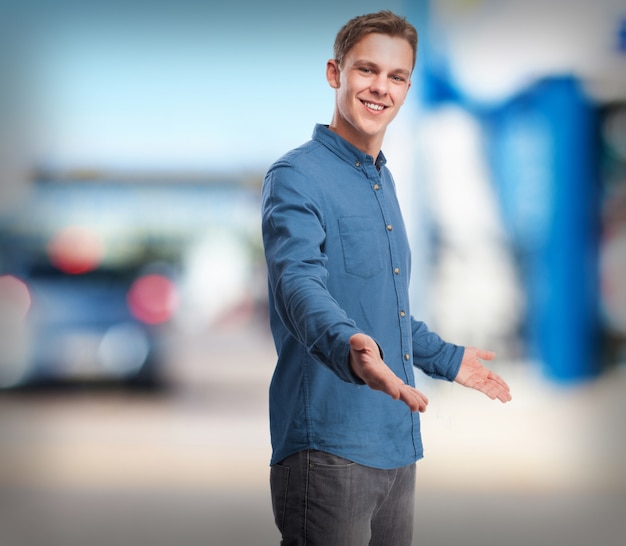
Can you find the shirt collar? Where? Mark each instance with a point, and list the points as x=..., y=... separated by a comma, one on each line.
x=343, y=148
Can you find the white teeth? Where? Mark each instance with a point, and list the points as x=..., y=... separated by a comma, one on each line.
x=373, y=106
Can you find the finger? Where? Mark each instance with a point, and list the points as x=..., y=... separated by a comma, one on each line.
x=485, y=355
x=389, y=384
x=496, y=391
x=357, y=343
x=413, y=398
x=495, y=377
x=504, y=395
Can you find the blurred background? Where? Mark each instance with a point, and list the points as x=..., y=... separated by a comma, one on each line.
x=135, y=353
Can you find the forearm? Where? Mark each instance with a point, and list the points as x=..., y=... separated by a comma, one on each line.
x=434, y=356
x=316, y=321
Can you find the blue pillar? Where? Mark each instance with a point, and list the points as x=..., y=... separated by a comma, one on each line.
x=543, y=154
x=542, y=147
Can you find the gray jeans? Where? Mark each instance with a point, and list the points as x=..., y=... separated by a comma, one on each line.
x=323, y=500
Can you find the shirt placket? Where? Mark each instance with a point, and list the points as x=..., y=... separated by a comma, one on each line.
x=399, y=274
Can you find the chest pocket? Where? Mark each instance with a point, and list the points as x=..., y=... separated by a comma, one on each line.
x=364, y=246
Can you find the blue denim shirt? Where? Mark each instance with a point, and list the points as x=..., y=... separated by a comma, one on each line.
x=339, y=263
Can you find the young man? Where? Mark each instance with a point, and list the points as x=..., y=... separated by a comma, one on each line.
x=344, y=411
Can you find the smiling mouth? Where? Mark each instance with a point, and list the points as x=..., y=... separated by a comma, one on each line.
x=372, y=106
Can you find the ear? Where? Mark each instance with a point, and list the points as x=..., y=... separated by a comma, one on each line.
x=332, y=73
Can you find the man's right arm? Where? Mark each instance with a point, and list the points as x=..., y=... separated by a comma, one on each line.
x=293, y=237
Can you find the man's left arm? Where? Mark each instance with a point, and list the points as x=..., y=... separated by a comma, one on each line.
x=473, y=374
x=442, y=360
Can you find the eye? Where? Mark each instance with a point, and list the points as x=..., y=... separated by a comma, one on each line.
x=365, y=70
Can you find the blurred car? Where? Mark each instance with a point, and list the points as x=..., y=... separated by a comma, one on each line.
x=69, y=314
x=96, y=274
x=98, y=325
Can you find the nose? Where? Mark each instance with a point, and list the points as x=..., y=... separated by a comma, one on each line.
x=380, y=84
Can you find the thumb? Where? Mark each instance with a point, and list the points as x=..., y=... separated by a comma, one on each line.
x=485, y=355
x=359, y=342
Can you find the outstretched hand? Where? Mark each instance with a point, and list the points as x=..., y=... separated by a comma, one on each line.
x=367, y=364
x=475, y=375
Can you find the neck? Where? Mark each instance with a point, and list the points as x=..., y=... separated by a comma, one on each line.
x=369, y=145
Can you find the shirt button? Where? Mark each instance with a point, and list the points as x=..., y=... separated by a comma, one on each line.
x=396, y=270
x=357, y=164
x=389, y=227
x=376, y=186
x=402, y=313
x=407, y=356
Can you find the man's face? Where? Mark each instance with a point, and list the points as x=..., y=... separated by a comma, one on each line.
x=371, y=86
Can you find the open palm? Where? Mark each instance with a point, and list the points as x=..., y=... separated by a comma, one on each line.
x=474, y=375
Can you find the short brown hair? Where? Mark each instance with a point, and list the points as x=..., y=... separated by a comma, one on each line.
x=382, y=22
